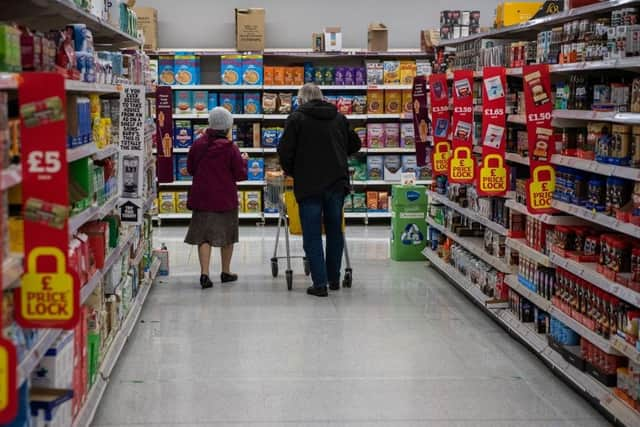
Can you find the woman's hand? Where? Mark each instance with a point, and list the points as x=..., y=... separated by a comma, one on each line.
x=244, y=156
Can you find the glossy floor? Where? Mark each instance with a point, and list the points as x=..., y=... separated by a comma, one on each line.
x=402, y=348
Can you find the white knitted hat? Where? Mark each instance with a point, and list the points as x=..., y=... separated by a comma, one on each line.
x=220, y=119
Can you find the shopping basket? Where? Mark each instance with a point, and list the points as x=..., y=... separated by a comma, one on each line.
x=279, y=193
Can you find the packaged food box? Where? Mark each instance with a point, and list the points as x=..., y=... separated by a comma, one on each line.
x=252, y=103
x=255, y=168
x=362, y=134
x=423, y=67
x=360, y=76
x=349, y=76
x=407, y=101
x=268, y=75
x=372, y=201
x=288, y=76
x=375, y=135
x=278, y=76
x=409, y=164
x=375, y=102
x=186, y=69
x=375, y=73
x=328, y=75
x=167, y=202
x=181, y=167
x=298, y=76
x=392, y=135
x=339, y=76
x=375, y=167
x=199, y=129
x=358, y=168
x=345, y=104
x=200, y=101
x=231, y=69
x=348, y=203
x=359, y=202
x=407, y=72
x=309, y=72
x=181, y=202
x=252, y=68
x=391, y=72
x=269, y=137
x=392, y=167
x=253, y=201
x=183, y=102
x=212, y=100
x=392, y=101
x=232, y=102
x=383, y=201
x=165, y=70
x=182, y=134
x=359, y=104
x=241, y=207
x=407, y=135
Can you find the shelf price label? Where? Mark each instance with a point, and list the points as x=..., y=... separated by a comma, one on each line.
x=8, y=381
x=49, y=294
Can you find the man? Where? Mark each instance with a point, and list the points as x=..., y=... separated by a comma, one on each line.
x=314, y=150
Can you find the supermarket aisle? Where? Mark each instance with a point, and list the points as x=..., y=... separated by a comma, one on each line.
x=402, y=348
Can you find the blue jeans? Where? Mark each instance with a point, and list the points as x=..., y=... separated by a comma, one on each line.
x=313, y=210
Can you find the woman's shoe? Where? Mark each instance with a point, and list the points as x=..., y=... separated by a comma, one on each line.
x=205, y=282
x=228, y=277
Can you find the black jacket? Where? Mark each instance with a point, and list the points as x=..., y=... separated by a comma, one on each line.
x=315, y=147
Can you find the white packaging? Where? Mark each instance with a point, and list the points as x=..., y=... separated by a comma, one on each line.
x=55, y=369
x=392, y=168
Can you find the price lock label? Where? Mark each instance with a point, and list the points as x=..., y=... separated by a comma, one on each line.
x=541, y=188
x=441, y=155
x=462, y=166
x=8, y=381
x=493, y=175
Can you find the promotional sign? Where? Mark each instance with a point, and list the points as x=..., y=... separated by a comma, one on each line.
x=8, y=381
x=538, y=105
x=493, y=176
x=462, y=164
x=440, y=117
x=132, y=119
x=164, y=134
x=420, y=118
x=49, y=296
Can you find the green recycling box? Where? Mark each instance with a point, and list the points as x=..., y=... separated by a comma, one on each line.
x=408, y=235
x=409, y=198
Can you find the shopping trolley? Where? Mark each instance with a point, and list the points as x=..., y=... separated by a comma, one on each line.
x=279, y=193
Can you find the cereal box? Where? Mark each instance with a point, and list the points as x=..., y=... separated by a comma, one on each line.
x=407, y=101
x=298, y=76
x=345, y=104
x=359, y=202
x=182, y=134
x=181, y=202
x=392, y=135
x=362, y=134
x=181, y=167
x=409, y=164
x=359, y=104
x=269, y=137
x=375, y=167
x=392, y=101
x=328, y=77
x=372, y=201
x=309, y=72
x=358, y=168
x=339, y=76
x=375, y=102
x=200, y=101
x=231, y=69
x=167, y=201
x=278, y=76
x=212, y=100
x=391, y=72
x=360, y=76
x=241, y=207
x=407, y=135
x=255, y=168
x=392, y=167
x=423, y=67
x=383, y=201
x=268, y=75
x=199, y=129
x=252, y=103
x=407, y=72
x=232, y=102
x=252, y=70
x=288, y=76
x=165, y=70
x=349, y=76
x=375, y=135
x=186, y=69
x=183, y=102
x=375, y=73
x=253, y=201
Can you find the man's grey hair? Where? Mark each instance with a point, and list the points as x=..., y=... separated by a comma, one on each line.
x=309, y=92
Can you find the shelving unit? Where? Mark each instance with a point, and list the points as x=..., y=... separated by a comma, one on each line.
x=521, y=246
x=475, y=216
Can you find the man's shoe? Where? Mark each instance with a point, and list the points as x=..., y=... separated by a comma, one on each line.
x=228, y=277
x=319, y=292
x=205, y=282
x=334, y=286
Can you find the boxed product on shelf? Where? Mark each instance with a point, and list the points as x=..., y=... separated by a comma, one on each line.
x=407, y=72
x=199, y=129
x=79, y=129
x=392, y=167
x=186, y=68
x=407, y=101
x=391, y=73
x=375, y=73
x=253, y=201
x=181, y=202
x=183, y=101
x=359, y=104
x=362, y=135
x=392, y=135
x=252, y=103
x=231, y=69
x=359, y=201
x=271, y=136
x=10, y=59
x=252, y=66
x=348, y=203
x=183, y=134
x=375, y=102
x=55, y=369
x=98, y=234
x=407, y=135
x=375, y=167
x=376, y=137
x=358, y=168
x=392, y=101
x=212, y=100
x=345, y=104
x=182, y=174
x=241, y=207
x=409, y=164
x=167, y=202
x=200, y=101
x=232, y=102
x=255, y=169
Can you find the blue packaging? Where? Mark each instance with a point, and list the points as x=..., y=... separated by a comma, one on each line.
x=182, y=134
x=309, y=72
x=212, y=100
x=270, y=137
x=231, y=69
x=185, y=68
x=232, y=102
x=252, y=103
x=252, y=70
x=181, y=167
x=255, y=168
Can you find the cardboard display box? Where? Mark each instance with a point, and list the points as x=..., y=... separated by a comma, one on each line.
x=378, y=37
x=250, y=28
x=332, y=39
x=148, y=22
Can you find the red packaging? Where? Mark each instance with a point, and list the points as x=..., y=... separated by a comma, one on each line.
x=98, y=233
x=345, y=104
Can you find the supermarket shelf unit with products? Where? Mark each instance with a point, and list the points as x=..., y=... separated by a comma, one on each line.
x=553, y=259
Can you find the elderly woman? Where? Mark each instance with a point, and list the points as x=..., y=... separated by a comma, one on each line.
x=314, y=150
x=215, y=164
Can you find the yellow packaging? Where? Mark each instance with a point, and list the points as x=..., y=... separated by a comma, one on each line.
x=154, y=206
x=181, y=202
x=392, y=101
x=16, y=235
x=167, y=202
x=515, y=12
x=391, y=72
x=407, y=101
x=241, y=207
x=375, y=102
x=407, y=72
x=253, y=201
